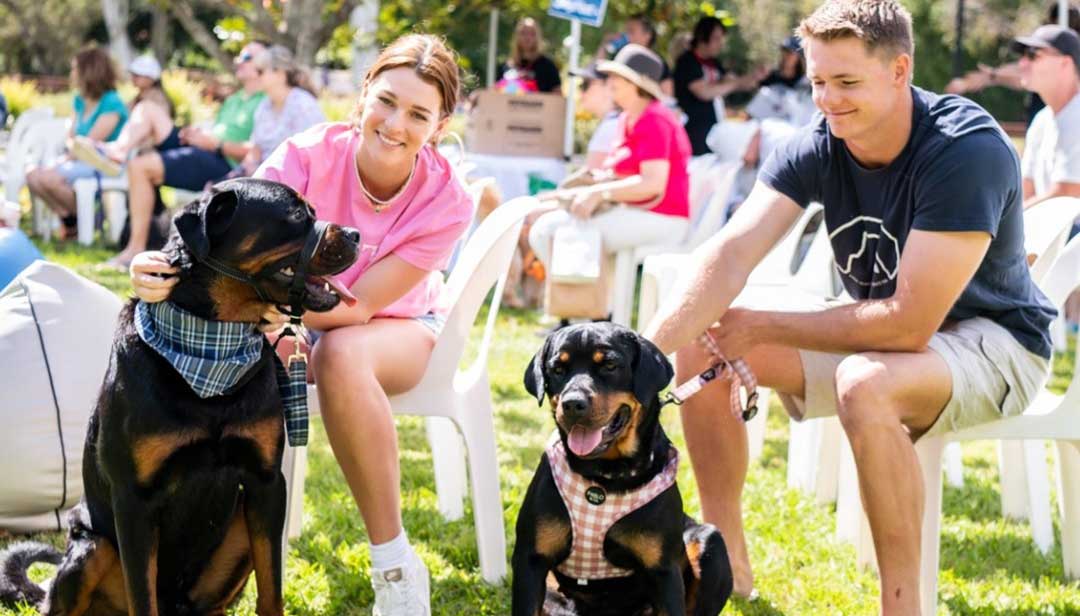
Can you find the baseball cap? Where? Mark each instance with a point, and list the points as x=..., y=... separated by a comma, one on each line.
x=145, y=66
x=1052, y=36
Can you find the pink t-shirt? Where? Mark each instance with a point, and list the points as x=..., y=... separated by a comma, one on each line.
x=421, y=226
x=657, y=135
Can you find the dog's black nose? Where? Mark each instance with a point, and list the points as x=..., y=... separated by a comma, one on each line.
x=574, y=403
x=351, y=234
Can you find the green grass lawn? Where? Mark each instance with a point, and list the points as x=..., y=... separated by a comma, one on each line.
x=989, y=565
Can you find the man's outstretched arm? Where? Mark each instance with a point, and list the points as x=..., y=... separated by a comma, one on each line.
x=720, y=267
x=934, y=270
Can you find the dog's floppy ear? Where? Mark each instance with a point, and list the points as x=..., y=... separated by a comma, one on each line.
x=211, y=216
x=653, y=371
x=534, y=373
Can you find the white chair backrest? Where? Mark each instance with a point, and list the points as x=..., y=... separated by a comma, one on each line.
x=778, y=265
x=16, y=159
x=817, y=274
x=710, y=220
x=1046, y=227
x=482, y=263
x=1063, y=274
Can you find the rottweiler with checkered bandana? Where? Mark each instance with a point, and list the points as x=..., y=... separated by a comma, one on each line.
x=184, y=495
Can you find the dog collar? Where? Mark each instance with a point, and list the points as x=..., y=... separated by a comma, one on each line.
x=217, y=357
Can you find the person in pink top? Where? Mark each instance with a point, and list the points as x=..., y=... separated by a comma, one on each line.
x=380, y=174
x=648, y=164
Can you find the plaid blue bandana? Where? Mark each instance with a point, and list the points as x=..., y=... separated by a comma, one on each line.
x=214, y=356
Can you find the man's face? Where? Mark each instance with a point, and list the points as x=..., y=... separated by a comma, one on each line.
x=1042, y=70
x=858, y=91
x=245, y=62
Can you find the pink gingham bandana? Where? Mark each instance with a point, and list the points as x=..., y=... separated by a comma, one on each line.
x=593, y=511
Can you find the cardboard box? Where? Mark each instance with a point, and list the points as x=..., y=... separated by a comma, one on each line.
x=517, y=124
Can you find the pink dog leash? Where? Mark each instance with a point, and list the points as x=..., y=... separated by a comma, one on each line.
x=735, y=370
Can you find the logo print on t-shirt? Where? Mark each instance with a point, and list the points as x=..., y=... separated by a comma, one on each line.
x=859, y=240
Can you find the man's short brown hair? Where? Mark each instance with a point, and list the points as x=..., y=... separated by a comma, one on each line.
x=882, y=25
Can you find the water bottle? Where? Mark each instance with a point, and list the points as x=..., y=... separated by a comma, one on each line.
x=615, y=45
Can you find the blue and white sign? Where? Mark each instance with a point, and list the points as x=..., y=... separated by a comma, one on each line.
x=588, y=12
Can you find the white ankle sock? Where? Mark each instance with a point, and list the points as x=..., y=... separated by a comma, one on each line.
x=393, y=553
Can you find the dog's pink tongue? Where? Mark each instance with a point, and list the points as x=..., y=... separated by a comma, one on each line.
x=343, y=292
x=582, y=441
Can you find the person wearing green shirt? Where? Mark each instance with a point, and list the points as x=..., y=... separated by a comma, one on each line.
x=206, y=155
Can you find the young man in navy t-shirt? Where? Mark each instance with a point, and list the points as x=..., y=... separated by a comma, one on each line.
x=923, y=203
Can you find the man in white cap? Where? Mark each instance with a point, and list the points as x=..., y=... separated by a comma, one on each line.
x=1050, y=67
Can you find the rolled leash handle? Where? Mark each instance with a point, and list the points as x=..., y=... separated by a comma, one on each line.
x=736, y=371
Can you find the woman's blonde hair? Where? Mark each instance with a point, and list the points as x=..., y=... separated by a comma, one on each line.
x=519, y=56
x=432, y=61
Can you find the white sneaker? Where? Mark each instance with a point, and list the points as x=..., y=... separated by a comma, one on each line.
x=402, y=591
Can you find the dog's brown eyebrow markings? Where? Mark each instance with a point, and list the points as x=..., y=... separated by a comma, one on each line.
x=598, y=356
x=564, y=356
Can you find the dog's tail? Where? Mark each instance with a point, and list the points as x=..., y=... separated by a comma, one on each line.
x=15, y=585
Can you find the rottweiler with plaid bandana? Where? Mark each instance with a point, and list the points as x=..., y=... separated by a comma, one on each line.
x=184, y=495
x=603, y=514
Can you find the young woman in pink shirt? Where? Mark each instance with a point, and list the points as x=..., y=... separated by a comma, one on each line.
x=380, y=174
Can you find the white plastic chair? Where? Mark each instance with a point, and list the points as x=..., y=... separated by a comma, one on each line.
x=1048, y=417
x=627, y=261
x=42, y=144
x=462, y=396
x=14, y=167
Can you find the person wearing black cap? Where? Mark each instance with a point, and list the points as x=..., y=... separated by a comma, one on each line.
x=649, y=162
x=1050, y=67
x=640, y=30
x=701, y=83
x=1008, y=75
x=791, y=72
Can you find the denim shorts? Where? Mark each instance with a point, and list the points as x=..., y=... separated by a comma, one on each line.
x=431, y=320
x=73, y=169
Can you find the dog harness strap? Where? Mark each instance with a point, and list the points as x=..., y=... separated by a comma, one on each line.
x=591, y=518
x=297, y=290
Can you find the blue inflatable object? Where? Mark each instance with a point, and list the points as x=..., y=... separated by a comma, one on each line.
x=16, y=252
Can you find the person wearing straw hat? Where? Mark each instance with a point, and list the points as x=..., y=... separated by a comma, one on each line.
x=649, y=186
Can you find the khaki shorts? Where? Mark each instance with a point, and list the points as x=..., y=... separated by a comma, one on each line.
x=993, y=376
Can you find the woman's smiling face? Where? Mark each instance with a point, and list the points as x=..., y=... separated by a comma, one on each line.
x=401, y=113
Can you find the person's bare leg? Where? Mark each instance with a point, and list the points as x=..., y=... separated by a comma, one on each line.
x=148, y=125
x=57, y=192
x=356, y=368
x=716, y=441
x=145, y=172
x=879, y=394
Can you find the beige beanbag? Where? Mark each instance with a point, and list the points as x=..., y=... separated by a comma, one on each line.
x=56, y=331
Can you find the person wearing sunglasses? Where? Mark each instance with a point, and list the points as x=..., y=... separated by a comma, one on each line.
x=1050, y=67
x=205, y=155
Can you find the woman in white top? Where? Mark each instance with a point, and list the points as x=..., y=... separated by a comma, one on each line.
x=290, y=106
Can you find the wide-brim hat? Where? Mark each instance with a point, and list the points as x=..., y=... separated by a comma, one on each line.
x=638, y=65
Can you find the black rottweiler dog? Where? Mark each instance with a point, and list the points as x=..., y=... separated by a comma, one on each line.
x=184, y=496
x=603, y=382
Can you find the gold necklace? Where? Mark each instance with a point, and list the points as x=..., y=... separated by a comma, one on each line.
x=381, y=204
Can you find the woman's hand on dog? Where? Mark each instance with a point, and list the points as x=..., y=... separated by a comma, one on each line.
x=152, y=277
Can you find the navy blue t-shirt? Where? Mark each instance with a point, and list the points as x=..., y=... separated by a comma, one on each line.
x=958, y=172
